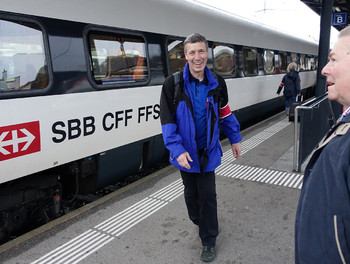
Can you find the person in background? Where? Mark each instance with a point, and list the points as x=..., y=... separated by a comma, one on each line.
x=190, y=126
x=322, y=227
x=291, y=85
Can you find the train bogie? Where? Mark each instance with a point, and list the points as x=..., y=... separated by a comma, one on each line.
x=29, y=202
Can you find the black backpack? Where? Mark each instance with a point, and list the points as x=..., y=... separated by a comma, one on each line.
x=177, y=80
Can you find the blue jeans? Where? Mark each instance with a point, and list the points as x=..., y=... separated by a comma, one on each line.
x=289, y=99
x=200, y=198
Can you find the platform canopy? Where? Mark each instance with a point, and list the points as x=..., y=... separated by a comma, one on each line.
x=332, y=13
x=340, y=11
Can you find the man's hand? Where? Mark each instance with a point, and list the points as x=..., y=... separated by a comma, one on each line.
x=183, y=160
x=236, y=150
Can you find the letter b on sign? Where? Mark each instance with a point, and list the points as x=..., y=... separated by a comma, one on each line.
x=339, y=19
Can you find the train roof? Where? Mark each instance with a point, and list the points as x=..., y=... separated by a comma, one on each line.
x=170, y=17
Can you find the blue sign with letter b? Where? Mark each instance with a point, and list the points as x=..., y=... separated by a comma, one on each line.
x=339, y=19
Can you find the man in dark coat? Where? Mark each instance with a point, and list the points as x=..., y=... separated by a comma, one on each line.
x=322, y=228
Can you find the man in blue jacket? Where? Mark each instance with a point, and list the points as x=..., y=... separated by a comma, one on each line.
x=190, y=125
x=322, y=228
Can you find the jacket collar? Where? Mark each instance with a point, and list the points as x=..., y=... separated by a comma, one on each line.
x=346, y=118
x=212, y=82
x=193, y=79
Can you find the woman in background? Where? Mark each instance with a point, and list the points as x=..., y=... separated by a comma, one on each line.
x=291, y=85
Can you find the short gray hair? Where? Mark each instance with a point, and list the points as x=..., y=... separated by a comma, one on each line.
x=344, y=32
x=194, y=38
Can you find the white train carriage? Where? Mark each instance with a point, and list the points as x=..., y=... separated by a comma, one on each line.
x=80, y=86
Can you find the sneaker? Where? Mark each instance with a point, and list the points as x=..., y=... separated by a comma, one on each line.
x=208, y=254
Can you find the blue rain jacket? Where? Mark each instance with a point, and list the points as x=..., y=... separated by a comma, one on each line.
x=178, y=125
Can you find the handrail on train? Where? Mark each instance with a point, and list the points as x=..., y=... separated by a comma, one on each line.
x=309, y=105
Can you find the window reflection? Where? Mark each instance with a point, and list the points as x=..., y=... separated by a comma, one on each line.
x=118, y=58
x=295, y=58
x=224, y=61
x=302, y=62
x=269, y=61
x=309, y=63
x=312, y=63
x=250, y=61
x=283, y=62
x=22, y=57
x=176, y=56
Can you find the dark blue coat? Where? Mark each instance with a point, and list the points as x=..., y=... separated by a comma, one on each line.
x=322, y=228
x=291, y=84
x=178, y=126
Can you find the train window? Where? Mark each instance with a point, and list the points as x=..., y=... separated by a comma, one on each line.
x=283, y=59
x=176, y=56
x=295, y=59
x=289, y=58
x=302, y=62
x=309, y=63
x=210, y=63
x=22, y=57
x=224, y=61
x=277, y=62
x=250, y=61
x=118, y=58
x=312, y=64
x=307, y=66
x=269, y=61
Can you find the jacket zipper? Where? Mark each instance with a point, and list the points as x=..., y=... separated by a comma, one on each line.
x=337, y=239
x=189, y=102
x=208, y=125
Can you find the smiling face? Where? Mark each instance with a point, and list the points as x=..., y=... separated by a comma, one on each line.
x=197, y=56
x=337, y=72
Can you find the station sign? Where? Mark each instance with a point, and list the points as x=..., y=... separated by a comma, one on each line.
x=339, y=19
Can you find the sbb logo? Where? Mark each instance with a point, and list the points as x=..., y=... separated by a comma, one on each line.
x=19, y=140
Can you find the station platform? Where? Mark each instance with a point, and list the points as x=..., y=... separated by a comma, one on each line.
x=147, y=221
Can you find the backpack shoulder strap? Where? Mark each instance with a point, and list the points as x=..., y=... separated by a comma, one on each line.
x=222, y=91
x=177, y=81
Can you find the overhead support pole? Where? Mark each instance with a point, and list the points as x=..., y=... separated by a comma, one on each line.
x=323, y=50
